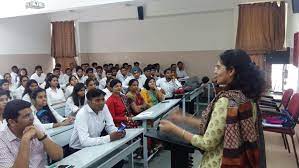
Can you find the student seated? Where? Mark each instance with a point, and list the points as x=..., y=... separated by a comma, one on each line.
x=123, y=74
x=22, y=72
x=91, y=120
x=90, y=84
x=146, y=72
x=150, y=93
x=99, y=73
x=3, y=101
x=169, y=84
x=23, y=144
x=135, y=100
x=4, y=84
x=45, y=113
x=30, y=86
x=108, y=89
x=80, y=74
x=60, y=75
x=118, y=106
x=38, y=76
x=55, y=94
x=102, y=82
x=180, y=70
x=136, y=75
x=20, y=90
x=12, y=86
x=76, y=100
x=14, y=74
x=70, y=86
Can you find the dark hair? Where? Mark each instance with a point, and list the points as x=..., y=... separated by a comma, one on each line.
x=6, y=74
x=94, y=93
x=123, y=68
x=152, y=67
x=89, y=70
x=56, y=69
x=57, y=65
x=147, y=68
x=94, y=64
x=79, y=68
x=99, y=67
x=248, y=78
x=67, y=69
x=114, y=82
x=38, y=67
x=125, y=64
x=49, y=79
x=13, y=67
x=136, y=63
x=108, y=81
x=172, y=65
x=27, y=87
x=132, y=81
x=146, y=86
x=35, y=92
x=180, y=62
x=21, y=78
x=4, y=92
x=105, y=65
x=2, y=81
x=109, y=71
x=71, y=78
x=12, y=109
x=88, y=81
x=168, y=69
x=78, y=100
x=24, y=69
x=205, y=79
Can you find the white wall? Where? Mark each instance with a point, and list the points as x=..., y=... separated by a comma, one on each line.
x=25, y=35
x=191, y=32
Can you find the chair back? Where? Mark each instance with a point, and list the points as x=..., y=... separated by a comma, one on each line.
x=293, y=106
x=286, y=97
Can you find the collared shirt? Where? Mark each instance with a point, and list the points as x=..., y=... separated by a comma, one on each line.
x=108, y=93
x=26, y=98
x=168, y=87
x=71, y=108
x=121, y=77
x=82, y=79
x=14, y=77
x=89, y=126
x=19, y=92
x=55, y=96
x=181, y=73
x=102, y=83
x=68, y=91
x=3, y=124
x=39, y=79
x=9, y=149
x=63, y=80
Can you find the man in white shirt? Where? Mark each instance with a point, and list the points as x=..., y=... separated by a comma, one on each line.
x=122, y=76
x=102, y=82
x=91, y=120
x=180, y=71
x=14, y=74
x=168, y=83
x=39, y=76
x=61, y=80
x=99, y=73
x=108, y=89
x=80, y=75
x=136, y=75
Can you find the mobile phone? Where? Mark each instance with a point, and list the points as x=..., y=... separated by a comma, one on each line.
x=122, y=127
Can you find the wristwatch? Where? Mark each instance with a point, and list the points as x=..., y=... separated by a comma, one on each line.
x=42, y=138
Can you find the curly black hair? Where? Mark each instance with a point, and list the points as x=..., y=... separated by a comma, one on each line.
x=248, y=78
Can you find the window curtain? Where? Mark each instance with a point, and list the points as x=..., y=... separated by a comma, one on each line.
x=261, y=29
x=63, y=46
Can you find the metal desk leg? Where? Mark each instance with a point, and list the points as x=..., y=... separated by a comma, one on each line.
x=184, y=106
x=145, y=152
x=197, y=104
x=131, y=158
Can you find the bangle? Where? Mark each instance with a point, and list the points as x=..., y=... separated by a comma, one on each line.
x=44, y=137
x=183, y=134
